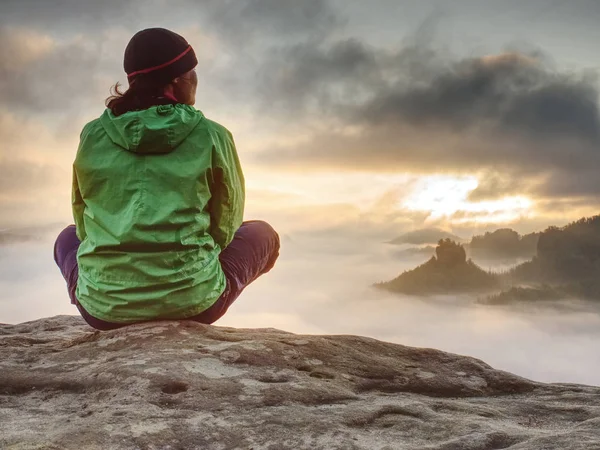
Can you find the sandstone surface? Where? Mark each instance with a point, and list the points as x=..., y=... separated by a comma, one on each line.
x=183, y=385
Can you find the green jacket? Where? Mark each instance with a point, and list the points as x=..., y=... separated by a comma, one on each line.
x=157, y=194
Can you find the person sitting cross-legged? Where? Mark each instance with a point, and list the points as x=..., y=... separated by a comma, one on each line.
x=158, y=201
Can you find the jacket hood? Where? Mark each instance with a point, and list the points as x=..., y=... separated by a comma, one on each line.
x=156, y=130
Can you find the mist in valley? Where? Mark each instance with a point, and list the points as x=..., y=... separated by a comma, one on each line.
x=322, y=284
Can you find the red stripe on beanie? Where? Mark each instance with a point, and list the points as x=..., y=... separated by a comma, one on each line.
x=161, y=66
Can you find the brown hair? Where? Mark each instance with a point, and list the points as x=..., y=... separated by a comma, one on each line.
x=142, y=94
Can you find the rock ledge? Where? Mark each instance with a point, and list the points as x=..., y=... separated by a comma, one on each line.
x=183, y=385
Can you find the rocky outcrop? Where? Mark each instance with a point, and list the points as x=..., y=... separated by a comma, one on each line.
x=182, y=385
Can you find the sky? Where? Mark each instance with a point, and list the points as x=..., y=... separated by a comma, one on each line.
x=354, y=121
x=392, y=115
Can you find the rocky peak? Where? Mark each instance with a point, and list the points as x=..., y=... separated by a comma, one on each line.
x=183, y=385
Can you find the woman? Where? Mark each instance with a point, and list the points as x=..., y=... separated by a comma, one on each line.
x=158, y=200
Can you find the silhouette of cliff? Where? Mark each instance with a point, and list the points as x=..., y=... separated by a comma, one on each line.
x=446, y=273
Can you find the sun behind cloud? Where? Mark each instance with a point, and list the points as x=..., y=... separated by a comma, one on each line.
x=447, y=197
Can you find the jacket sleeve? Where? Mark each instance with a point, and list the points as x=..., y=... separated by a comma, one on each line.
x=227, y=191
x=78, y=207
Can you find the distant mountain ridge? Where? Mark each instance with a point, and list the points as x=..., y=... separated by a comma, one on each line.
x=566, y=264
x=503, y=243
x=448, y=272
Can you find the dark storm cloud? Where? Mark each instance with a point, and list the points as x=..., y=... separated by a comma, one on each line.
x=302, y=77
x=409, y=108
x=418, y=87
x=417, y=110
x=509, y=92
x=581, y=183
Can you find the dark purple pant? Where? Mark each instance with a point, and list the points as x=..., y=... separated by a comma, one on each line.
x=252, y=252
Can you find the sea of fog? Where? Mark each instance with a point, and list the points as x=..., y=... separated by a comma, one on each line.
x=322, y=285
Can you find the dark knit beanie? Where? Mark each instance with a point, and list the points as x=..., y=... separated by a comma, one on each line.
x=158, y=54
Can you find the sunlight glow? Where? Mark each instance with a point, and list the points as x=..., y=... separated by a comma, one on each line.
x=447, y=197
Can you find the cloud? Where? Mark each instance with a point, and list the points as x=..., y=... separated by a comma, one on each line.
x=491, y=184
x=509, y=93
x=33, y=192
x=418, y=87
x=283, y=72
x=39, y=74
x=78, y=15
x=68, y=53
x=301, y=78
x=237, y=21
x=21, y=177
x=34, y=172
x=416, y=110
x=250, y=20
